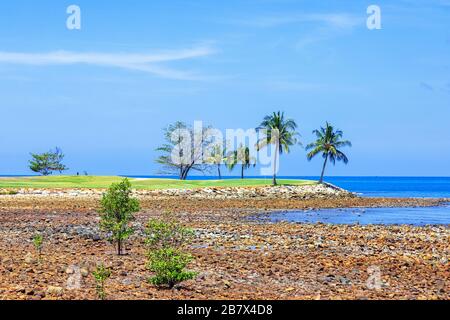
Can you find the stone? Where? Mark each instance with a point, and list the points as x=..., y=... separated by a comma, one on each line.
x=84, y=272
x=57, y=291
x=70, y=270
x=29, y=259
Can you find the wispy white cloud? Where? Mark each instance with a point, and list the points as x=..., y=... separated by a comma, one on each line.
x=316, y=27
x=336, y=20
x=150, y=63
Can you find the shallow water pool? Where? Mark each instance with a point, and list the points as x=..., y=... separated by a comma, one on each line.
x=369, y=216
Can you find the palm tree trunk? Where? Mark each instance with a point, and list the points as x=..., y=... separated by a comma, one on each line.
x=242, y=172
x=218, y=170
x=274, y=180
x=323, y=169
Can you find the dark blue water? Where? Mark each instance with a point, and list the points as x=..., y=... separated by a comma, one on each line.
x=402, y=187
x=372, y=216
x=391, y=187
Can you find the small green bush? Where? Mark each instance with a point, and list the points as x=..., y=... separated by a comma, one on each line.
x=117, y=208
x=168, y=264
x=167, y=233
x=38, y=241
x=101, y=274
x=166, y=258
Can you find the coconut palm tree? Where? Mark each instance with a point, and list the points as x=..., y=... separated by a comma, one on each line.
x=243, y=157
x=217, y=158
x=279, y=132
x=328, y=143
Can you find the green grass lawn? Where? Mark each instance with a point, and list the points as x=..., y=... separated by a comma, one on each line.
x=105, y=182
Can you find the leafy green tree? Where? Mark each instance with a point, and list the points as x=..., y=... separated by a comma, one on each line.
x=101, y=274
x=182, y=151
x=117, y=208
x=217, y=158
x=328, y=143
x=279, y=132
x=48, y=162
x=166, y=258
x=241, y=157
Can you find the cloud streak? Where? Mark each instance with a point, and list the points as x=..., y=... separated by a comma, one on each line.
x=149, y=63
x=336, y=20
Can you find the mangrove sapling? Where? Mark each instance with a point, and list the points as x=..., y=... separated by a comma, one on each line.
x=38, y=241
x=117, y=208
x=101, y=274
x=166, y=258
x=169, y=266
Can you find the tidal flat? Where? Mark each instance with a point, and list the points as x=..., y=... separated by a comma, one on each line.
x=236, y=256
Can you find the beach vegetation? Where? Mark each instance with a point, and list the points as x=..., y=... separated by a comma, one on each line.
x=101, y=274
x=280, y=132
x=38, y=241
x=48, y=162
x=117, y=212
x=328, y=143
x=243, y=158
x=182, y=151
x=167, y=258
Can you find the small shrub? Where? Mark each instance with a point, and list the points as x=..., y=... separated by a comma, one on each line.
x=167, y=233
x=117, y=208
x=38, y=241
x=168, y=261
x=8, y=192
x=168, y=264
x=101, y=274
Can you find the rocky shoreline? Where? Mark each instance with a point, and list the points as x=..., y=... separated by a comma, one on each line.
x=237, y=257
x=307, y=197
x=285, y=192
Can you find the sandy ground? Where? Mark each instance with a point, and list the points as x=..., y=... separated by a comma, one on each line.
x=236, y=257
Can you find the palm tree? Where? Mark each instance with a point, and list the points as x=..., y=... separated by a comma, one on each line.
x=217, y=158
x=328, y=143
x=241, y=156
x=281, y=133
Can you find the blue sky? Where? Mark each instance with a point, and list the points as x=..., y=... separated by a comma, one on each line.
x=104, y=93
